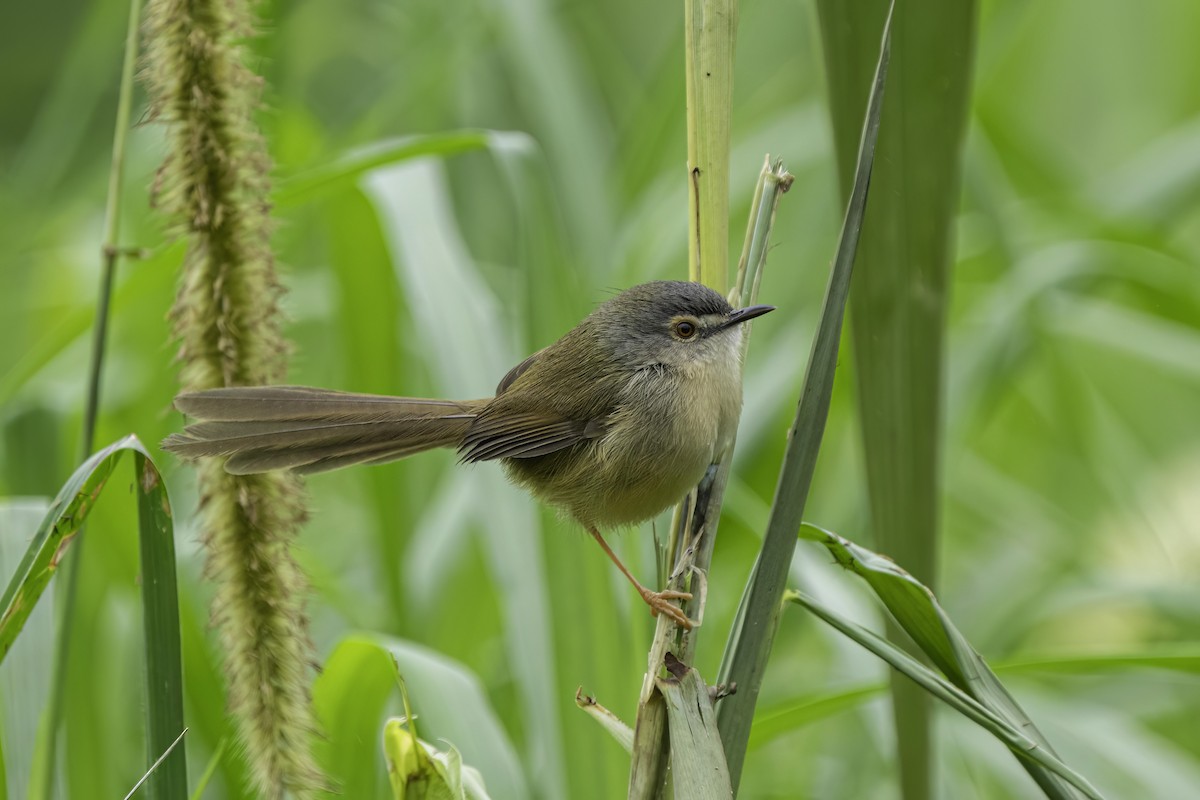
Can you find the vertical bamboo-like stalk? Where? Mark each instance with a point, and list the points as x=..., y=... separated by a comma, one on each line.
x=711, y=29
x=898, y=303
x=214, y=185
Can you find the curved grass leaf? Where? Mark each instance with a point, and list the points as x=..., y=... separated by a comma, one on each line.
x=160, y=605
x=950, y=694
x=788, y=716
x=917, y=611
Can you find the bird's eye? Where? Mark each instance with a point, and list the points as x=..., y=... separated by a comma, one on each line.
x=685, y=329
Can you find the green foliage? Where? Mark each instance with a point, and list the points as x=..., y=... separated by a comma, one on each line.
x=898, y=306
x=915, y=610
x=1070, y=446
x=749, y=647
x=1055, y=778
x=64, y=521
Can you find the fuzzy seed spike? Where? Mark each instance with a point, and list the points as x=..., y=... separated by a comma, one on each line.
x=214, y=187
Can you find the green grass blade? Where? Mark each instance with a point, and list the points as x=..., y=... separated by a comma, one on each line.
x=918, y=613
x=898, y=307
x=750, y=642
x=788, y=717
x=164, y=680
x=1178, y=658
x=1012, y=735
x=160, y=623
x=562, y=104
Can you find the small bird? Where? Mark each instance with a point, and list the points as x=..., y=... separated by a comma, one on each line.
x=611, y=424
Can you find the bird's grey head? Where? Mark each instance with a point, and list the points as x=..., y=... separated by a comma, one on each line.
x=672, y=323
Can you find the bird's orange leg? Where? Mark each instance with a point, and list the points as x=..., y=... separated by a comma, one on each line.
x=656, y=600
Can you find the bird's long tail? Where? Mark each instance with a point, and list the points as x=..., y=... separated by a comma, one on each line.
x=261, y=428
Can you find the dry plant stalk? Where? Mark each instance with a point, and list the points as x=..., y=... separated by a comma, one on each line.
x=214, y=186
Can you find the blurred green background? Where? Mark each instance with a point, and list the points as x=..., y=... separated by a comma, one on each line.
x=1072, y=442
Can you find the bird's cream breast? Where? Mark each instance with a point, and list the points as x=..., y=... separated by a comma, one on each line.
x=673, y=424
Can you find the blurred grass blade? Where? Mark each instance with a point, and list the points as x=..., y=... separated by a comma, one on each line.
x=787, y=717
x=25, y=682
x=210, y=769
x=164, y=680
x=1180, y=658
x=1012, y=735
x=749, y=644
x=899, y=301
x=362, y=160
x=562, y=101
x=698, y=769
x=454, y=303
x=919, y=614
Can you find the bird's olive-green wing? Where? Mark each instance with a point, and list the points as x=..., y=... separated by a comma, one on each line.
x=549, y=402
x=505, y=435
x=517, y=371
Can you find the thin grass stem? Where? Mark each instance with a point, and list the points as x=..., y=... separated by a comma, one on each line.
x=111, y=254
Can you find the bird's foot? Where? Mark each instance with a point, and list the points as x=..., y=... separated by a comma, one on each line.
x=659, y=603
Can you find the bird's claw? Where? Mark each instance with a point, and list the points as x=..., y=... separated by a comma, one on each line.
x=659, y=603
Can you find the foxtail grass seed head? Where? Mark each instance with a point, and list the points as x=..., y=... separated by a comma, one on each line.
x=214, y=189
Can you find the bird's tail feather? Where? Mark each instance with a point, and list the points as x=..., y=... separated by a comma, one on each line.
x=262, y=428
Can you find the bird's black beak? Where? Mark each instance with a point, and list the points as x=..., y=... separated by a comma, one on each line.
x=740, y=315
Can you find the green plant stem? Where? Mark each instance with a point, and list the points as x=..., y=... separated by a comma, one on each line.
x=694, y=525
x=110, y=257
x=710, y=31
x=773, y=182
